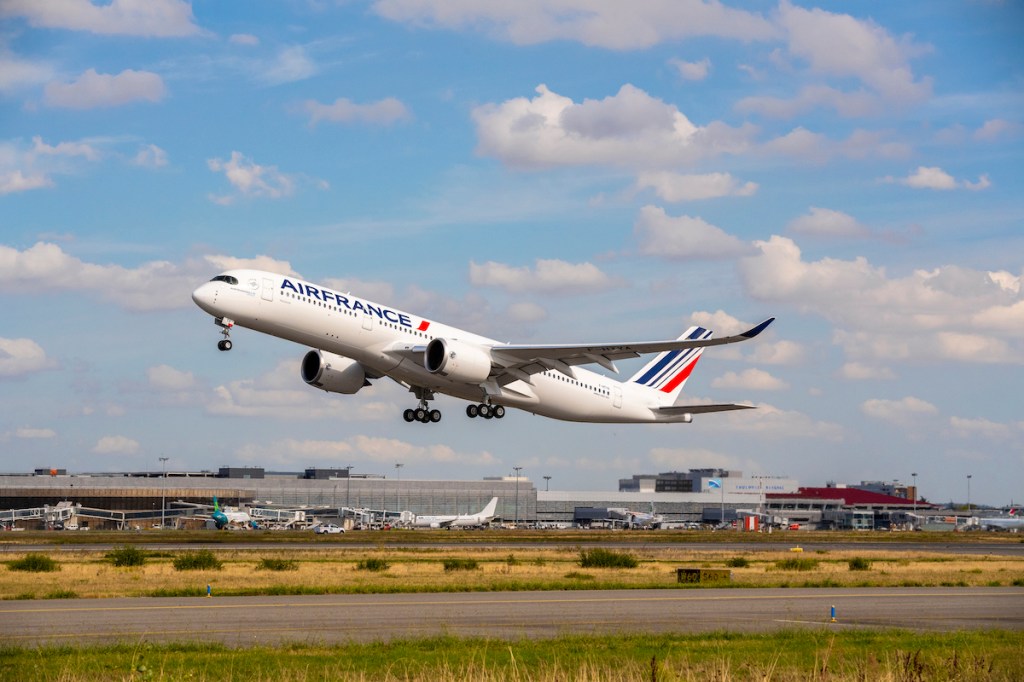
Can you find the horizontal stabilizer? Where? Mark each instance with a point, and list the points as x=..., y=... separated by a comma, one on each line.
x=701, y=409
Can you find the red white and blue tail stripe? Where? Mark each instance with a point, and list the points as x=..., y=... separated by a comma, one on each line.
x=669, y=371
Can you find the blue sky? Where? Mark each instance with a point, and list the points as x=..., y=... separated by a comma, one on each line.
x=533, y=171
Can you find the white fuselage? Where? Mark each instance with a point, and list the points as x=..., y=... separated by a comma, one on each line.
x=380, y=338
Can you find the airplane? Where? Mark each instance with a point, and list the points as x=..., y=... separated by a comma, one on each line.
x=1010, y=522
x=355, y=341
x=222, y=518
x=481, y=518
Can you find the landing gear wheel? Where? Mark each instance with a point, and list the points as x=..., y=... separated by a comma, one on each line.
x=409, y=415
x=499, y=411
x=435, y=416
x=224, y=344
x=472, y=411
x=422, y=415
x=485, y=411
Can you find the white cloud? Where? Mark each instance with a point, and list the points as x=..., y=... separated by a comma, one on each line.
x=156, y=285
x=678, y=187
x=859, y=371
x=34, y=434
x=243, y=39
x=605, y=23
x=166, y=378
x=985, y=428
x=95, y=90
x=116, y=445
x=843, y=46
x=150, y=156
x=773, y=422
x=691, y=71
x=19, y=357
x=15, y=181
x=849, y=104
x=17, y=73
x=804, y=145
x=933, y=177
x=147, y=18
x=778, y=353
x=684, y=237
x=997, y=129
x=752, y=379
x=548, y=276
x=628, y=129
x=526, y=311
x=919, y=316
x=291, y=64
x=383, y=112
x=904, y=412
x=826, y=222
x=251, y=180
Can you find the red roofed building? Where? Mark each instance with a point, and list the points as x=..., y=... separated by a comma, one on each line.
x=850, y=508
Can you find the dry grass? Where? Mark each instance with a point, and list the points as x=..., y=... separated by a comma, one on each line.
x=87, y=574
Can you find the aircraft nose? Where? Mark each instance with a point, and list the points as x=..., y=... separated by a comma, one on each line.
x=203, y=296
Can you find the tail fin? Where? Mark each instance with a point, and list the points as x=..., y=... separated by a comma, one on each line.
x=491, y=507
x=669, y=371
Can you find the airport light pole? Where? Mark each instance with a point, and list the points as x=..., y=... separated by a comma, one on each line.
x=163, y=491
x=968, y=494
x=398, y=487
x=517, y=470
x=547, y=479
x=348, y=485
x=914, y=476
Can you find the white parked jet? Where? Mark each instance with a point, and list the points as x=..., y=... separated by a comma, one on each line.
x=1011, y=522
x=355, y=340
x=455, y=521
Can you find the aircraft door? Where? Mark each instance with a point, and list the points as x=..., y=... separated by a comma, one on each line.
x=368, y=322
x=268, y=289
x=616, y=397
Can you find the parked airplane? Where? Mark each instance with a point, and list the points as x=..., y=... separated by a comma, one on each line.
x=222, y=518
x=1009, y=522
x=481, y=518
x=355, y=340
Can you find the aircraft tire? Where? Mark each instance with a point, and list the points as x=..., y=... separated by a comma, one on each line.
x=472, y=411
x=409, y=415
x=499, y=411
x=224, y=344
x=435, y=416
x=421, y=415
x=485, y=411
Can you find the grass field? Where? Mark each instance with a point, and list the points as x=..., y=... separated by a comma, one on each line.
x=336, y=569
x=790, y=655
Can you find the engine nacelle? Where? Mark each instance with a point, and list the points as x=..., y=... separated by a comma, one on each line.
x=332, y=373
x=458, y=360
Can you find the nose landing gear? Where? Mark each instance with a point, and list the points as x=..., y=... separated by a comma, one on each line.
x=226, y=324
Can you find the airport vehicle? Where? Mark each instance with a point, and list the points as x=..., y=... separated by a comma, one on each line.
x=355, y=341
x=1011, y=522
x=482, y=518
x=327, y=529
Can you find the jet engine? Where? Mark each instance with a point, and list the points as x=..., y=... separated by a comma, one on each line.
x=332, y=373
x=457, y=360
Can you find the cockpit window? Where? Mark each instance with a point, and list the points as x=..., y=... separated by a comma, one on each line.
x=225, y=278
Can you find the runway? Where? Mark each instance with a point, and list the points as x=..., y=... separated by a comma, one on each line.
x=240, y=621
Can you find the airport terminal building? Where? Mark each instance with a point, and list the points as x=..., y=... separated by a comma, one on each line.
x=138, y=499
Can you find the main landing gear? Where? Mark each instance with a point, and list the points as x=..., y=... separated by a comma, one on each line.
x=226, y=325
x=484, y=410
x=422, y=413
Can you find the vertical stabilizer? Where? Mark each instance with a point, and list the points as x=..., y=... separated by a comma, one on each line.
x=668, y=372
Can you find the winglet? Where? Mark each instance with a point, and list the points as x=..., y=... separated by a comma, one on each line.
x=758, y=329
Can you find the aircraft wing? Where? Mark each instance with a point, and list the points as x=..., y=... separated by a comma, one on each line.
x=701, y=409
x=519, y=361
